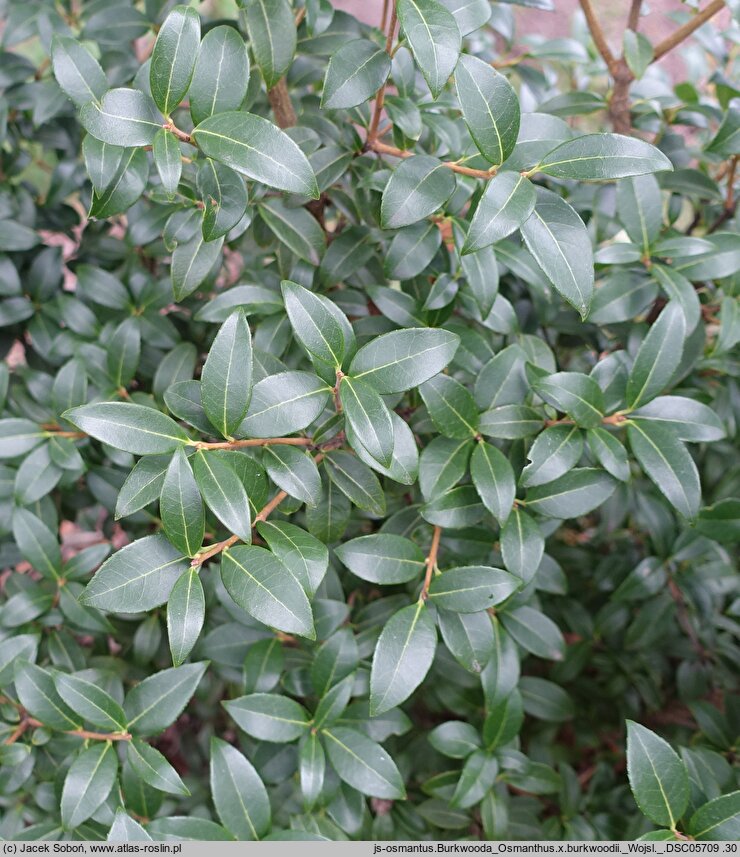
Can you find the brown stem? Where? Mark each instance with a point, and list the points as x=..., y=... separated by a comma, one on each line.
x=300, y=15
x=74, y=434
x=431, y=562
x=372, y=132
x=27, y=722
x=384, y=149
x=597, y=34
x=282, y=106
x=219, y=547
x=254, y=441
x=682, y=33
x=384, y=16
x=682, y=614
x=633, y=19
x=181, y=135
x=613, y=420
x=730, y=202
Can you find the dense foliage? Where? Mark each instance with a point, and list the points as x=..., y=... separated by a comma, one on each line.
x=368, y=419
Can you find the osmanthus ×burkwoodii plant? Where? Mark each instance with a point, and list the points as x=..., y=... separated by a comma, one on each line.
x=367, y=432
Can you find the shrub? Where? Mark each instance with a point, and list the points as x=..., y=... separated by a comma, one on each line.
x=367, y=426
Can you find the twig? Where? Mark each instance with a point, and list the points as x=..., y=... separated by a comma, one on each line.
x=730, y=202
x=372, y=132
x=282, y=106
x=633, y=19
x=682, y=614
x=181, y=135
x=28, y=722
x=253, y=441
x=597, y=34
x=431, y=563
x=682, y=33
x=384, y=149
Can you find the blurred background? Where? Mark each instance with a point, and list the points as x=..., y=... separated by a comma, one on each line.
x=658, y=20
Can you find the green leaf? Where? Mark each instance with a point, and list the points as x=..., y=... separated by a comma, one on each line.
x=455, y=739
x=725, y=141
x=417, y=188
x=226, y=380
x=192, y=261
x=91, y=702
x=38, y=695
x=130, y=427
x=503, y=721
x=522, y=545
x=272, y=34
x=354, y=74
x=434, y=38
x=318, y=324
x=138, y=577
x=507, y=202
x=88, y=783
x=154, y=769
x=355, y=479
x=382, y=558
x=293, y=470
x=19, y=436
x=223, y=49
x=173, y=57
x=284, y=404
x=362, y=763
x=126, y=117
x=460, y=507
x=609, y=453
x=668, y=463
x=576, y=394
x=451, y=407
x=403, y=359
x=239, y=794
x=305, y=556
x=181, y=507
x=658, y=357
x=223, y=492
x=576, y=493
x=160, y=698
x=657, y=776
x=535, y=632
x=143, y=485
x=168, y=160
x=263, y=586
x=640, y=208
x=638, y=52
x=77, y=71
x=557, y=238
x=476, y=779
x=185, y=615
x=369, y=417
x=403, y=655
x=269, y=717
x=493, y=478
x=681, y=291
x=469, y=638
x=472, y=588
x=311, y=769
x=555, y=451
x=688, y=419
x=442, y=465
x=125, y=829
x=489, y=107
x=510, y=422
x=37, y=544
x=717, y=820
x=601, y=157
x=224, y=196
x=256, y=148
x=296, y=228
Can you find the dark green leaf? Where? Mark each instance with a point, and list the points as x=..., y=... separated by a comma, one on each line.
x=417, y=188
x=489, y=106
x=354, y=74
x=472, y=588
x=402, y=657
x=130, y=427
x=272, y=34
x=658, y=357
x=126, y=117
x=223, y=49
x=269, y=717
x=159, y=700
x=576, y=493
x=507, y=202
x=185, y=615
x=239, y=794
x=362, y=763
x=226, y=380
x=173, y=57
x=88, y=783
x=223, y=492
x=600, y=157
x=382, y=558
x=254, y=147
